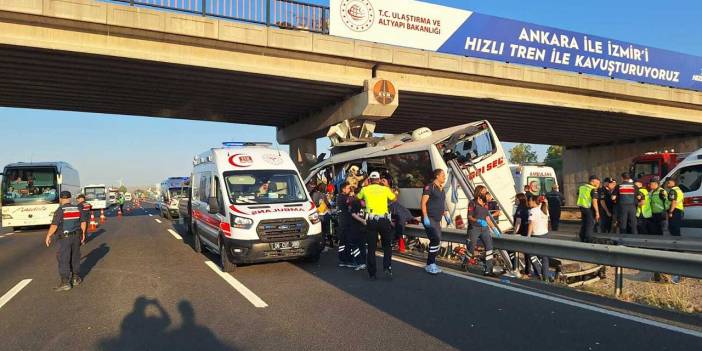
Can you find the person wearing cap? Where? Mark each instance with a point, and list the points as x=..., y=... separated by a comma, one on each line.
x=674, y=206
x=376, y=197
x=68, y=224
x=555, y=202
x=85, y=209
x=606, y=205
x=659, y=217
x=625, y=195
x=643, y=208
x=589, y=209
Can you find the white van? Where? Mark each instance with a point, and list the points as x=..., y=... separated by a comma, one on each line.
x=540, y=179
x=96, y=196
x=409, y=159
x=30, y=191
x=688, y=174
x=172, y=190
x=248, y=204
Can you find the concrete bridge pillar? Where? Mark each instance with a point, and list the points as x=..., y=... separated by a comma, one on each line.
x=301, y=151
x=611, y=160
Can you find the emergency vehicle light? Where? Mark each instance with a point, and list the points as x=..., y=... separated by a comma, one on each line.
x=245, y=143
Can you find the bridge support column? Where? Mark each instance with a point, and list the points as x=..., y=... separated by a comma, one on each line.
x=300, y=151
x=611, y=160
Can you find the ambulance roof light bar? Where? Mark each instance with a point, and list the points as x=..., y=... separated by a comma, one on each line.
x=245, y=143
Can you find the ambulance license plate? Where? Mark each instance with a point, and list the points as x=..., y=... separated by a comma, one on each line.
x=284, y=245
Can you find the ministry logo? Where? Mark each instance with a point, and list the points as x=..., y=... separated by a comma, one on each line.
x=358, y=15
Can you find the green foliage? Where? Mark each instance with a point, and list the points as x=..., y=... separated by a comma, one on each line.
x=554, y=158
x=521, y=154
x=122, y=189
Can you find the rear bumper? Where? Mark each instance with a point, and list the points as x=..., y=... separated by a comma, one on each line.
x=252, y=251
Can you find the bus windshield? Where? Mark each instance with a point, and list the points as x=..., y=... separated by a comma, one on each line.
x=29, y=186
x=179, y=192
x=92, y=194
x=264, y=187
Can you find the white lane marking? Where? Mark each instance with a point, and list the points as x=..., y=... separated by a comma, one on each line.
x=563, y=301
x=157, y=220
x=238, y=286
x=150, y=215
x=173, y=232
x=16, y=289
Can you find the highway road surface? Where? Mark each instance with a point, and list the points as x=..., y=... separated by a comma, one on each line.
x=146, y=289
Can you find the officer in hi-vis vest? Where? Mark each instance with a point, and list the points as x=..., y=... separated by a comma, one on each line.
x=643, y=208
x=675, y=207
x=589, y=211
x=659, y=215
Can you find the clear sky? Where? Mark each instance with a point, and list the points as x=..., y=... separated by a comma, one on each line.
x=141, y=150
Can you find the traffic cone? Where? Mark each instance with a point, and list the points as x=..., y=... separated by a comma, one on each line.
x=93, y=225
x=102, y=216
x=402, y=244
x=119, y=213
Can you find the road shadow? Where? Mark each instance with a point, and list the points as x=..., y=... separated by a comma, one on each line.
x=92, y=258
x=148, y=331
x=93, y=235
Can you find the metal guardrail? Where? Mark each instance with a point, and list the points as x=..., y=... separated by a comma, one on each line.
x=657, y=242
x=287, y=14
x=685, y=264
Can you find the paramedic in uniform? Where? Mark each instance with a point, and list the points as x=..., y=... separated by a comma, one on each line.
x=376, y=197
x=433, y=208
x=68, y=225
x=479, y=227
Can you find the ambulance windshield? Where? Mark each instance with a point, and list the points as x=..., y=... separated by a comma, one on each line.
x=264, y=187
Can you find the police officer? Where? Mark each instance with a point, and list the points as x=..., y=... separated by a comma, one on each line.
x=85, y=209
x=555, y=202
x=675, y=207
x=68, y=224
x=433, y=205
x=376, y=197
x=589, y=210
x=643, y=209
x=659, y=216
x=625, y=196
x=606, y=205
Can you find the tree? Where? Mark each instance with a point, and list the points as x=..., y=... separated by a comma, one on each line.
x=522, y=154
x=122, y=189
x=554, y=158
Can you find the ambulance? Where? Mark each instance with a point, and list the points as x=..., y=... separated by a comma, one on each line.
x=248, y=204
x=96, y=196
x=172, y=190
x=539, y=179
x=408, y=160
x=688, y=175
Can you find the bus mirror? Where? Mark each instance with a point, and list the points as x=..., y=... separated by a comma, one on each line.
x=213, y=204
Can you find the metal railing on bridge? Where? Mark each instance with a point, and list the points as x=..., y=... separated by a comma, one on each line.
x=288, y=14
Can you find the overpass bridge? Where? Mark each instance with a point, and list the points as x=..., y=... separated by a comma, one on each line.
x=108, y=57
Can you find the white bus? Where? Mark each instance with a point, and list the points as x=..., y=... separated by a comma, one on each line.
x=96, y=196
x=30, y=191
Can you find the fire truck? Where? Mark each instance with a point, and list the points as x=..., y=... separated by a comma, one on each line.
x=652, y=164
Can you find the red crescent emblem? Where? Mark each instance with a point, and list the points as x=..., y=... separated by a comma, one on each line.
x=233, y=161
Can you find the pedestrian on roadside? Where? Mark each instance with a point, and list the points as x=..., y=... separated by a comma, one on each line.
x=67, y=224
x=480, y=226
x=606, y=203
x=589, y=210
x=344, y=218
x=376, y=197
x=320, y=199
x=433, y=204
x=625, y=196
x=538, y=227
x=556, y=200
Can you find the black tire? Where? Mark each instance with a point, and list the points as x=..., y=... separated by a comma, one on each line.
x=227, y=265
x=197, y=244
